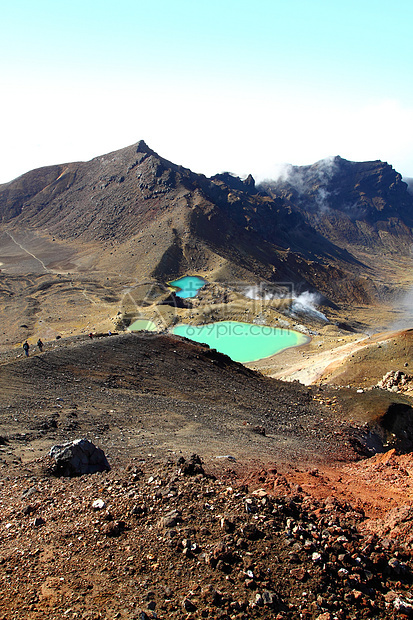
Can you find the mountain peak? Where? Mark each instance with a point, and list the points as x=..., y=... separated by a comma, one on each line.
x=235, y=182
x=142, y=147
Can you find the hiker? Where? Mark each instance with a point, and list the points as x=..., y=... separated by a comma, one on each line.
x=26, y=348
x=40, y=345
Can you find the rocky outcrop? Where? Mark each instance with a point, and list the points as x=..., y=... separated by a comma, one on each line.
x=394, y=381
x=175, y=545
x=363, y=204
x=77, y=458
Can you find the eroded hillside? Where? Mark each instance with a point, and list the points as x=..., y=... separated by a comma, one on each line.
x=344, y=232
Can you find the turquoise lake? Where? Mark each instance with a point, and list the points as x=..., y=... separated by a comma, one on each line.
x=242, y=342
x=142, y=325
x=187, y=286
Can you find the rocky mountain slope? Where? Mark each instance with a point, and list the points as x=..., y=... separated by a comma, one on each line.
x=162, y=535
x=363, y=205
x=160, y=391
x=141, y=213
x=164, y=539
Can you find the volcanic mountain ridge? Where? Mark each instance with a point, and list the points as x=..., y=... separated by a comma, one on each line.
x=332, y=227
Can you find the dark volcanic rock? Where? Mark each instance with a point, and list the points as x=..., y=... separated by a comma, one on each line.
x=350, y=203
x=77, y=458
x=193, y=467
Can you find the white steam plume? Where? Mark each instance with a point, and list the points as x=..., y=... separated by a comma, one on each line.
x=404, y=308
x=409, y=182
x=308, y=179
x=305, y=304
x=257, y=291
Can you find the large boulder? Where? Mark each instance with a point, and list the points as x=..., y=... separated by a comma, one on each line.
x=78, y=457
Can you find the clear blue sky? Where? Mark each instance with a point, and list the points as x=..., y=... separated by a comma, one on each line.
x=220, y=85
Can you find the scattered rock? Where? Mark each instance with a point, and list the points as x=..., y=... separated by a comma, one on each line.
x=259, y=430
x=29, y=492
x=269, y=598
x=403, y=607
x=193, y=467
x=98, y=504
x=227, y=525
x=394, y=380
x=251, y=532
x=171, y=519
x=188, y=605
x=299, y=573
x=77, y=458
x=114, y=529
x=223, y=563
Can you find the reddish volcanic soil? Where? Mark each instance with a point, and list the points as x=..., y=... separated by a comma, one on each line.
x=282, y=520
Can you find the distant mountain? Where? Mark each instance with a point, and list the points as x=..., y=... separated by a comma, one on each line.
x=365, y=205
x=321, y=227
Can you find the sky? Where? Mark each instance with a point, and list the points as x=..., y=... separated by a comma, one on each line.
x=224, y=85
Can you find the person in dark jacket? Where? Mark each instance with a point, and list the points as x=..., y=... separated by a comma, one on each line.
x=26, y=348
x=40, y=345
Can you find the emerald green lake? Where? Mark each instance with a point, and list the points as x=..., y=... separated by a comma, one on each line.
x=242, y=342
x=142, y=325
x=187, y=286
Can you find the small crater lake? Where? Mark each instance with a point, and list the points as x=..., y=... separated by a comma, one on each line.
x=242, y=342
x=187, y=286
x=142, y=325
